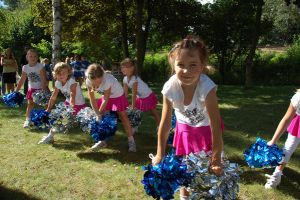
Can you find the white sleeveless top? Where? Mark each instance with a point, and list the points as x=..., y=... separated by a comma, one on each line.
x=34, y=75
x=143, y=90
x=66, y=91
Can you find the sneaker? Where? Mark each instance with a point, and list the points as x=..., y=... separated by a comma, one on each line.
x=99, y=145
x=46, y=140
x=26, y=123
x=273, y=180
x=131, y=146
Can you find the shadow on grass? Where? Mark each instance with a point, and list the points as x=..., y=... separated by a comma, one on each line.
x=68, y=145
x=7, y=193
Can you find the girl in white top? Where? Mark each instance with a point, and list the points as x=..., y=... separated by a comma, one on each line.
x=193, y=97
x=69, y=88
x=142, y=96
x=113, y=99
x=37, y=79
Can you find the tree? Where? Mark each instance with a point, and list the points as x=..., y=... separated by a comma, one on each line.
x=57, y=31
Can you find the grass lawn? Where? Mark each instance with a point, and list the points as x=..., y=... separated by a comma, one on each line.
x=69, y=170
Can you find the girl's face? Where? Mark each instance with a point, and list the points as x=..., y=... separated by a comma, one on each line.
x=96, y=82
x=32, y=58
x=188, y=66
x=62, y=75
x=127, y=69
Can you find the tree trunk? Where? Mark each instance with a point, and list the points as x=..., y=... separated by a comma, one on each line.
x=257, y=31
x=57, y=31
x=140, y=49
x=124, y=29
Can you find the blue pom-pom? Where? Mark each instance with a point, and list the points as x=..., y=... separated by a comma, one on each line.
x=104, y=129
x=13, y=99
x=165, y=178
x=40, y=118
x=260, y=154
x=134, y=116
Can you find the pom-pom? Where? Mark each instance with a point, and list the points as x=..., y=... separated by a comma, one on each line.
x=41, y=97
x=85, y=116
x=206, y=185
x=13, y=99
x=134, y=116
x=260, y=154
x=62, y=118
x=104, y=129
x=165, y=178
x=40, y=118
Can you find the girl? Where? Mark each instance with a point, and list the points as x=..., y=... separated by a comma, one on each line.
x=37, y=80
x=289, y=122
x=142, y=96
x=10, y=68
x=193, y=96
x=113, y=99
x=69, y=88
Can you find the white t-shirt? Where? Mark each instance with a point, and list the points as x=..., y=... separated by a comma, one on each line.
x=109, y=81
x=66, y=91
x=34, y=75
x=194, y=114
x=143, y=90
x=295, y=101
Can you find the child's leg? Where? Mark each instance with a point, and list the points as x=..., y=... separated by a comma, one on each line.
x=184, y=194
x=290, y=146
x=9, y=87
x=156, y=116
x=124, y=118
x=30, y=105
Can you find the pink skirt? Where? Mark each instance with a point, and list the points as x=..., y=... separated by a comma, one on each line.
x=114, y=104
x=146, y=104
x=188, y=139
x=76, y=108
x=29, y=93
x=294, y=127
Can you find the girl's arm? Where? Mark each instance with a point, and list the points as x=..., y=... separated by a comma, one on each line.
x=93, y=100
x=283, y=124
x=52, y=99
x=125, y=87
x=21, y=81
x=134, y=92
x=211, y=104
x=44, y=79
x=163, y=130
x=73, y=94
x=105, y=100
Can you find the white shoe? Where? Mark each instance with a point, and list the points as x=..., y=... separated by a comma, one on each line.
x=273, y=180
x=26, y=124
x=131, y=146
x=46, y=140
x=99, y=145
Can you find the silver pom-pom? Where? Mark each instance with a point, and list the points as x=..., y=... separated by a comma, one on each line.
x=206, y=185
x=62, y=118
x=41, y=97
x=84, y=117
x=134, y=116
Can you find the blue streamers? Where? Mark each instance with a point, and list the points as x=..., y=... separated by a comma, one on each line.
x=134, y=116
x=163, y=179
x=41, y=97
x=260, y=154
x=13, y=99
x=104, y=129
x=40, y=118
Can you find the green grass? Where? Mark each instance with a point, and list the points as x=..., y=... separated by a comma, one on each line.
x=69, y=170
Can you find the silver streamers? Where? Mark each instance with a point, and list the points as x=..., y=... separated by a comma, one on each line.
x=41, y=97
x=206, y=185
x=134, y=116
x=85, y=116
x=62, y=118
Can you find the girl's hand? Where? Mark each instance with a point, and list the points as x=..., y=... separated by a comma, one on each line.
x=270, y=143
x=156, y=160
x=98, y=118
x=216, y=169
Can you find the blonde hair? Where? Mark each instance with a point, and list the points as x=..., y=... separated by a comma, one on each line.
x=59, y=67
x=94, y=71
x=191, y=43
x=131, y=62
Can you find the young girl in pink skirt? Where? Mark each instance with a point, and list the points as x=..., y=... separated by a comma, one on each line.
x=113, y=99
x=69, y=88
x=291, y=123
x=142, y=96
x=37, y=79
x=192, y=95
